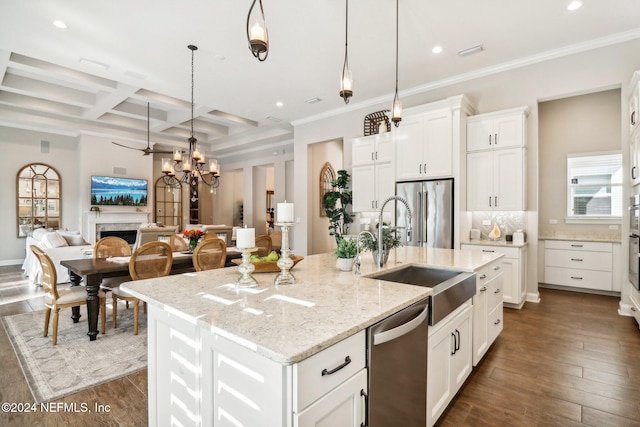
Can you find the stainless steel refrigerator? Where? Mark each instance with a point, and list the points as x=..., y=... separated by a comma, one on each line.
x=431, y=205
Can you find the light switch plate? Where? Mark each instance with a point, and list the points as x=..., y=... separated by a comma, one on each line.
x=553, y=221
x=613, y=227
x=486, y=222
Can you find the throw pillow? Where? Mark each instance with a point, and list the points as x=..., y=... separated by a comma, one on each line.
x=54, y=240
x=39, y=233
x=72, y=238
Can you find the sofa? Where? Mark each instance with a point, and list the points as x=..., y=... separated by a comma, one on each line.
x=58, y=245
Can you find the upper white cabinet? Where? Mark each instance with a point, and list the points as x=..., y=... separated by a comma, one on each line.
x=372, y=175
x=496, y=171
x=503, y=129
x=424, y=147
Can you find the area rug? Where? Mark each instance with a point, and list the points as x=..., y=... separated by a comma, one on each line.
x=75, y=363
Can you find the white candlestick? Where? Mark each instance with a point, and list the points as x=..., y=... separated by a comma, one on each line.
x=245, y=238
x=285, y=212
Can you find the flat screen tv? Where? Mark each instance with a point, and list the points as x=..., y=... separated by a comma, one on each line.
x=112, y=191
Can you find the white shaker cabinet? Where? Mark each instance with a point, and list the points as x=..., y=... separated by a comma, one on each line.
x=424, y=146
x=579, y=264
x=487, y=309
x=200, y=378
x=634, y=147
x=449, y=361
x=514, y=267
x=496, y=180
x=501, y=129
x=372, y=174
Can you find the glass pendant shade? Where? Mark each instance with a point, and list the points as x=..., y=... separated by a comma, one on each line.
x=257, y=33
x=396, y=111
x=346, y=79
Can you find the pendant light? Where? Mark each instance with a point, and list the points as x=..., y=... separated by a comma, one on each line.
x=396, y=108
x=257, y=33
x=346, y=80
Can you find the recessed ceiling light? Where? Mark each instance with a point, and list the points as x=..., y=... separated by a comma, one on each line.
x=436, y=49
x=574, y=5
x=279, y=104
x=60, y=24
x=471, y=50
x=93, y=63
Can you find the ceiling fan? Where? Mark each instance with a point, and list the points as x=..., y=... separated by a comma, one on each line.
x=147, y=150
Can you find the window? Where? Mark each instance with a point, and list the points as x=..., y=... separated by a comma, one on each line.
x=594, y=187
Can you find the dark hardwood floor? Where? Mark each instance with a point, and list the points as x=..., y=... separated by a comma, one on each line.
x=569, y=361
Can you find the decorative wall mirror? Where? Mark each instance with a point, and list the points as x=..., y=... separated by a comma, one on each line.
x=168, y=202
x=327, y=175
x=39, y=198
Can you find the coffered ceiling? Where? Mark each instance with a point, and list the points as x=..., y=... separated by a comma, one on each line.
x=97, y=76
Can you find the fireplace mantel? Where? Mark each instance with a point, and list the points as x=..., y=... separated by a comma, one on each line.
x=92, y=219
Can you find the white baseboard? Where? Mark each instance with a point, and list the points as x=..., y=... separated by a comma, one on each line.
x=533, y=297
x=11, y=262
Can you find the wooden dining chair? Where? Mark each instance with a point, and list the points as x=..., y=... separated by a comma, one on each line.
x=111, y=246
x=153, y=259
x=211, y=253
x=177, y=243
x=263, y=243
x=55, y=300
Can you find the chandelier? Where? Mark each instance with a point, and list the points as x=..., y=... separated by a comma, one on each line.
x=257, y=33
x=192, y=163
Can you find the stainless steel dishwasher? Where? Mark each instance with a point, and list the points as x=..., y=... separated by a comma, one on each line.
x=397, y=362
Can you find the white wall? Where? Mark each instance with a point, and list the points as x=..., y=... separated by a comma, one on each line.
x=76, y=159
x=602, y=68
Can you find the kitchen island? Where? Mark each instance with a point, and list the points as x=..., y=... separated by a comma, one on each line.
x=226, y=356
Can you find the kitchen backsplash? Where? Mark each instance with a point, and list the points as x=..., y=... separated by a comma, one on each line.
x=507, y=221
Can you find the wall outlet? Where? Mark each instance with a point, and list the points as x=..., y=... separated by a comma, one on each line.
x=613, y=227
x=553, y=221
x=486, y=222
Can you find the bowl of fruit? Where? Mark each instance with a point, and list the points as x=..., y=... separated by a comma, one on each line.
x=269, y=263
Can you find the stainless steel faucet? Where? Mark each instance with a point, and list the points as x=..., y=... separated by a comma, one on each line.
x=358, y=261
x=380, y=245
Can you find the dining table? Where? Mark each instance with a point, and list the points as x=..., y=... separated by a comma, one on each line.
x=93, y=270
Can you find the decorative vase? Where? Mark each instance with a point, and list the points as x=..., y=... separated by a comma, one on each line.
x=385, y=256
x=345, y=264
x=192, y=244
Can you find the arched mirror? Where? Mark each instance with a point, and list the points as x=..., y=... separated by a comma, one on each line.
x=168, y=202
x=39, y=194
x=327, y=175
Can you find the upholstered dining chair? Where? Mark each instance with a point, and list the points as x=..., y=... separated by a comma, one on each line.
x=209, y=254
x=150, y=260
x=111, y=246
x=263, y=243
x=54, y=300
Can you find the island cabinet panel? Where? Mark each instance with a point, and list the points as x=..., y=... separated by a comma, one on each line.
x=200, y=377
x=487, y=309
x=449, y=361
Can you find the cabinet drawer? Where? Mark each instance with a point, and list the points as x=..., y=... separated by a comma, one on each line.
x=579, y=246
x=307, y=375
x=585, y=260
x=496, y=321
x=495, y=292
x=508, y=252
x=588, y=279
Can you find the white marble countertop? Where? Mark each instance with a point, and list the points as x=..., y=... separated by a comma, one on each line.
x=289, y=323
x=502, y=243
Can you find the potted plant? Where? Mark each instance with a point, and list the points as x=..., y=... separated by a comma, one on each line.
x=336, y=203
x=390, y=240
x=346, y=252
